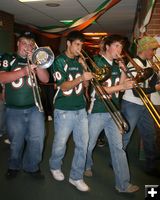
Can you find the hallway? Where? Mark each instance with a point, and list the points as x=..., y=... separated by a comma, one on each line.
x=101, y=184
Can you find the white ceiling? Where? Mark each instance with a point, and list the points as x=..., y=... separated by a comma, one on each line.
x=119, y=19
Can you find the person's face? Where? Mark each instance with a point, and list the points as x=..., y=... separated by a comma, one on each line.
x=114, y=50
x=25, y=46
x=74, y=47
x=149, y=53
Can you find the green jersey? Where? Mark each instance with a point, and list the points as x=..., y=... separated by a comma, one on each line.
x=67, y=69
x=18, y=94
x=96, y=105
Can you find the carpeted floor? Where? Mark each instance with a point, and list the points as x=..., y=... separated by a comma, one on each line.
x=25, y=187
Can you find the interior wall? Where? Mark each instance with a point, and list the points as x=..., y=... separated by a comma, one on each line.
x=6, y=32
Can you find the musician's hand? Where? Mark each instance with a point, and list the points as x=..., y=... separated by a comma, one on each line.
x=29, y=55
x=33, y=67
x=87, y=76
x=128, y=84
x=29, y=69
x=157, y=87
x=122, y=65
x=83, y=63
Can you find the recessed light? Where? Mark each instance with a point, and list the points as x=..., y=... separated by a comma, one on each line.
x=29, y=0
x=52, y=4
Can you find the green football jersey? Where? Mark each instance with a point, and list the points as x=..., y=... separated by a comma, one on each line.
x=67, y=69
x=18, y=94
x=96, y=105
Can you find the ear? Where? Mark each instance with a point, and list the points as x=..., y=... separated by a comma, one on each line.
x=17, y=43
x=107, y=47
x=68, y=43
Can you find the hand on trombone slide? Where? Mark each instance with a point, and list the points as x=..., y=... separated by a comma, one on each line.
x=87, y=76
x=128, y=84
x=31, y=68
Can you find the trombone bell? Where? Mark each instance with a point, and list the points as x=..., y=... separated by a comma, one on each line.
x=43, y=57
x=144, y=74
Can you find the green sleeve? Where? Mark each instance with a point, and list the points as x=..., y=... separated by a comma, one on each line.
x=59, y=69
x=6, y=61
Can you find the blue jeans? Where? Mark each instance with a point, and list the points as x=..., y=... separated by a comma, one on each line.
x=138, y=115
x=98, y=122
x=66, y=122
x=25, y=125
x=2, y=118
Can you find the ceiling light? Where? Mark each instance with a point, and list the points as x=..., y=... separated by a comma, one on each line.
x=95, y=38
x=29, y=0
x=66, y=20
x=95, y=34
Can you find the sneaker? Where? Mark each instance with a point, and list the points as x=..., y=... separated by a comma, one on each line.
x=130, y=189
x=11, y=173
x=57, y=174
x=6, y=141
x=88, y=173
x=80, y=185
x=49, y=118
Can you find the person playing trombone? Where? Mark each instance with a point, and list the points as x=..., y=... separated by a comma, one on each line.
x=25, y=123
x=70, y=114
x=99, y=118
x=134, y=109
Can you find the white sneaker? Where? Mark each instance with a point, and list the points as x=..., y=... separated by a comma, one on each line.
x=57, y=174
x=49, y=118
x=6, y=141
x=80, y=185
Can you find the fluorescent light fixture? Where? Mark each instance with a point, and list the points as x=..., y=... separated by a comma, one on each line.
x=95, y=38
x=25, y=1
x=66, y=21
x=95, y=34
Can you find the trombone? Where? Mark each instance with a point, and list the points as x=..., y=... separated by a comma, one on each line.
x=155, y=64
x=43, y=57
x=102, y=94
x=142, y=75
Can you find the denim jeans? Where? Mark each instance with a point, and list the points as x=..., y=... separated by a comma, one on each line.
x=25, y=128
x=98, y=122
x=66, y=122
x=2, y=118
x=138, y=115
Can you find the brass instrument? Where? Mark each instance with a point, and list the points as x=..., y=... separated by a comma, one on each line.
x=155, y=64
x=105, y=97
x=43, y=57
x=142, y=75
x=101, y=74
